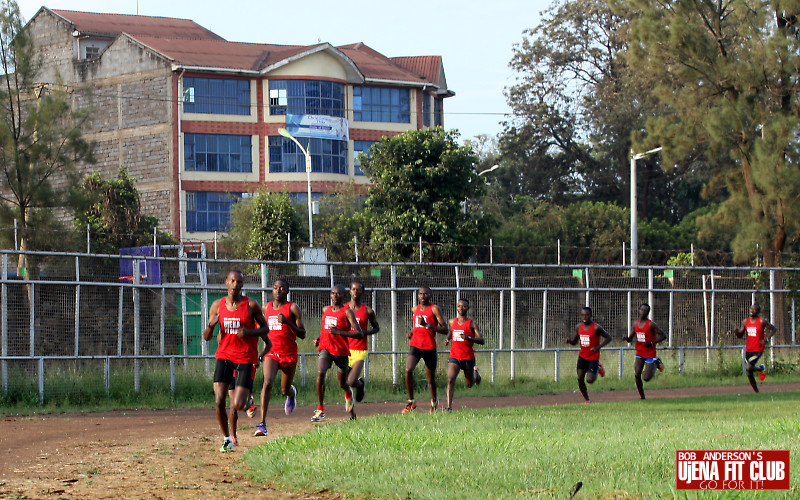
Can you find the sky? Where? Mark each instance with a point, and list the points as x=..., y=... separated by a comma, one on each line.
x=474, y=37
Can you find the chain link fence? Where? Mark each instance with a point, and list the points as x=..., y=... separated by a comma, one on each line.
x=132, y=324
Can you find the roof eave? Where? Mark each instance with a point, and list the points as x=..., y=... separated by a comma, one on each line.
x=399, y=82
x=354, y=75
x=212, y=69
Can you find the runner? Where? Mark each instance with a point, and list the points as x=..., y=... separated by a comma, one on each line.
x=464, y=333
x=589, y=333
x=647, y=335
x=426, y=321
x=755, y=327
x=333, y=349
x=285, y=325
x=358, y=345
x=241, y=323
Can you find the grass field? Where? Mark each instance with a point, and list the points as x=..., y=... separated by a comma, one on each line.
x=617, y=450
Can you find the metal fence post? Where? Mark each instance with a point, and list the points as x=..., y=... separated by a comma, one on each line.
x=137, y=324
x=107, y=373
x=621, y=362
x=557, y=361
x=394, y=323
x=501, y=320
x=184, y=336
x=680, y=361
x=162, y=322
x=651, y=296
x=713, y=314
x=32, y=320
x=77, y=305
x=671, y=317
x=513, y=321
x=120, y=309
x=458, y=285
x=41, y=380
x=172, y=375
x=588, y=295
x=4, y=324
x=203, y=268
x=264, y=284
x=544, y=319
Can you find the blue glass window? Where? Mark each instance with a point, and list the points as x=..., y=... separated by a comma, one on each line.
x=358, y=148
x=438, y=112
x=217, y=96
x=209, y=211
x=426, y=109
x=306, y=97
x=380, y=104
x=327, y=155
x=217, y=153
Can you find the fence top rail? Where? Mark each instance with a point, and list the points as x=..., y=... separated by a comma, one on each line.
x=257, y=289
x=401, y=264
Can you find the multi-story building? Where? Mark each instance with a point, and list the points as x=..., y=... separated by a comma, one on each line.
x=195, y=118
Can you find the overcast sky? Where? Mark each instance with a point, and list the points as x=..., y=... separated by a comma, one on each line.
x=474, y=37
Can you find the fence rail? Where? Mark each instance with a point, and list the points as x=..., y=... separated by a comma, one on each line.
x=120, y=310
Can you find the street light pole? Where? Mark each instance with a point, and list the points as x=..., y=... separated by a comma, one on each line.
x=634, y=215
x=285, y=133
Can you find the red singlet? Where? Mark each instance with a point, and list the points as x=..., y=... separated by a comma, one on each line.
x=461, y=348
x=589, y=339
x=231, y=347
x=643, y=334
x=334, y=344
x=755, y=334
x=284, y=340
x=361, y=317
x=421, y=337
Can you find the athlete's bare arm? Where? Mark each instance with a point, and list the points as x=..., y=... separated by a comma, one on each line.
x=355, y=329
x=255, y=312
x=658, y=332
x=476, y=336
x=740, y=331
x=213, y=320
x=450, y=331
x=258, y=316
x=768, y=327
x=629, y=338
x=296, y=326
x=606, y=338
x=373, y=321
x=441, y=325
x=573, y=340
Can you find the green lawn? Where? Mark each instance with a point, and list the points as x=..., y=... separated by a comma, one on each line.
x=626, y=449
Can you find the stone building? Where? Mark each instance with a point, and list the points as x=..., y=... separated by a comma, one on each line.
x=195, y=118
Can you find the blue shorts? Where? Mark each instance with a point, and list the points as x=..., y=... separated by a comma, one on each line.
x=647, y=360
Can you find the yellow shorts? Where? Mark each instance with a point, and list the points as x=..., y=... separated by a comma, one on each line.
x=357, y=356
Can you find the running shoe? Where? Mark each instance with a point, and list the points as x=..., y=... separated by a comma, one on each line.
x=227, y=446
x=601, y=370
x=410, y=406
x=251, y=407
x=261, y=429
x=448, y=410
x=360, y=390
x=434, y=405
x=319, y=416
x=291, y=401
x=762, y=374
x=349, y=404
x=477, y=376
x=659, y=364
x=234, y=441
x=587, y=402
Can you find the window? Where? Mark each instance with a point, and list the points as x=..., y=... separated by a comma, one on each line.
x=378, y=104
x=306, y=97
x=426, y=109
x=217, y=96
x=327, y=155
x=438, y=112
x=92, y=52
x=217, y=153
x=358, y=148
x=209, y=211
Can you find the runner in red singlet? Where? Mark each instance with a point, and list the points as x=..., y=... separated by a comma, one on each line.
x=242, y=323
x=285, y=325
x=333, y=349
x=426, y=321
x=463, y=334
x=588, y=333
x=647, y=335
x=755, y=326
x=358, y=344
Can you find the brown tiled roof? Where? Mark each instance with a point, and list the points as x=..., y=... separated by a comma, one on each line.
x=429, y=67
x=114, y=24
x=222, y=54
x=375, y=65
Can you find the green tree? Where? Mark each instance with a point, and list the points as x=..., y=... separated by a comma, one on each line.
x=727, y=75
x=40, y=135
x=422, y=179
x=341, y=218
x=259, y=226
x=112, y=210
x=576, y=104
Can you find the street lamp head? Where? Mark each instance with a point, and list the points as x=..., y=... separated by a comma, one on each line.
x=282, y=131
x=490, y=169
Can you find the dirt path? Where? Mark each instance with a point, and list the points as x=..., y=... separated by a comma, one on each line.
x=173, y=453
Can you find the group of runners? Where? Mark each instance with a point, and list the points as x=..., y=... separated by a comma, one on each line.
x=345, y=328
